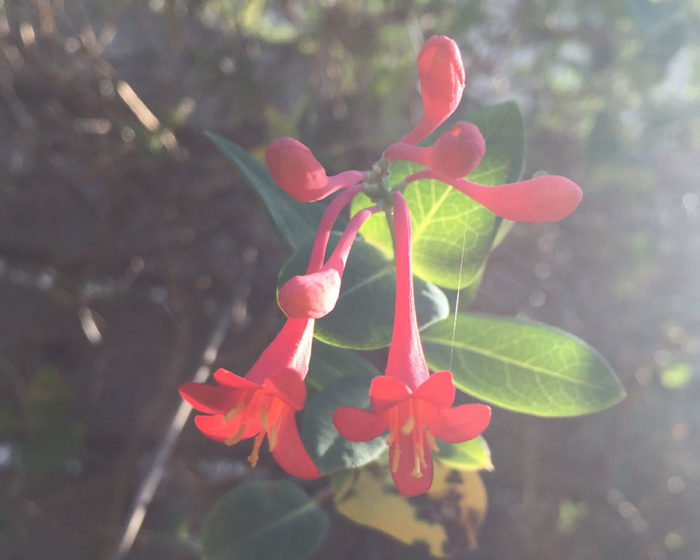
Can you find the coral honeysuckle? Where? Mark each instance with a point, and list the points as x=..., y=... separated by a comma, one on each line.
x=457, y=152
x=295, y=168
x=412, y=404
x=315, y=294
x=441, y=75
x=263, y=402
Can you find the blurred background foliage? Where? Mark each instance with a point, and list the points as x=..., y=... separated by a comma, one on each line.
x=123, y=234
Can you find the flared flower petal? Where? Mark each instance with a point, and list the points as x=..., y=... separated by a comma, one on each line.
x=295, y=168
x=357, y=424
x=287, y=385
x=386, y=392
x=438, y=390
x=208, y=398
x=460, y=423
x=222, y=430
x=228, y=379
x=288, y=449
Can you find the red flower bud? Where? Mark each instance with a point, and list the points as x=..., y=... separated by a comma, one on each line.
x=295, y=168
x=457, y=152
x=442, y=77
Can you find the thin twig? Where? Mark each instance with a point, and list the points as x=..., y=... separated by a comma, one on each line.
x=155, y=474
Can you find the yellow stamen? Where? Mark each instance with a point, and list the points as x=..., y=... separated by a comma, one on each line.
x=408, y=426
x=255, y=454
x=431, y=441
x=234, y=411
x=395, y=459
x=272, y=436
x=416, y=472
x=264, y=419
x=235, y=438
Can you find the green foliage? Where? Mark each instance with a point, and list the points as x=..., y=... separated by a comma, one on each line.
x=273, y=520
x=469, y=455
x=295, y=221
x=53, y=437
x=330, y=451
x=525, y=367
x=364, y=315
x=452, y=234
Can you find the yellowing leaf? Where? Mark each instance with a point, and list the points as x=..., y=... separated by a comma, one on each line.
x=446, y=519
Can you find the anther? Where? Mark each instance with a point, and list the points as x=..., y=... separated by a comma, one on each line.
x=234, y=411
x=255, y=454
x=235, y=438
x=408, y=426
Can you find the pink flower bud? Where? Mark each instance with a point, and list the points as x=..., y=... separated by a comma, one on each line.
x=457, y=152
x=295, y=168
x=442, y=77
x=310, y=296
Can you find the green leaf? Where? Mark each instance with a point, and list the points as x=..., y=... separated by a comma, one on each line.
x=295, y=221
x=331, y=362
x=364, y=315
x=330, y=451
x=274, y=520
x=452, y=234
x=526, y=367
x=468, y=456
x=502, y=128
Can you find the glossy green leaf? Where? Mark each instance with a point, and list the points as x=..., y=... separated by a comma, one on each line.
x=526, y=367
x=330, y=451
x=331, y=362
x=273, y=520
x=452, y=234
x=295, y=221
x=467, y=456
x=363, y=317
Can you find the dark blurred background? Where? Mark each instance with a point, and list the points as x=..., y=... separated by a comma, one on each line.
x=124, y=236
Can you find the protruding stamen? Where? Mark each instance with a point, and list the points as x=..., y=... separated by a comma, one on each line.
x=416, y=472
x=235, y=438
x=272, y=436
x=408, y=426
x=234, y=411
x=395, y=459
x=431, y=441
x=264, y=419
x=255, y=454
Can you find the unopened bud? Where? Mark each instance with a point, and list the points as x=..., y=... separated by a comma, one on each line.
x=295, y=168
x=458, y=151
x=310, y=296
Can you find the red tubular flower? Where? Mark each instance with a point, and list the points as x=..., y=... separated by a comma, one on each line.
x=455, y=154
x=263, y=402
x=409, y=402
x=547, y=198
x=314, y=295
x=295, y=168
x=441, y=75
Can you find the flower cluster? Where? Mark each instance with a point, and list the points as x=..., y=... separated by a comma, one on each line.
x=411, y=404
